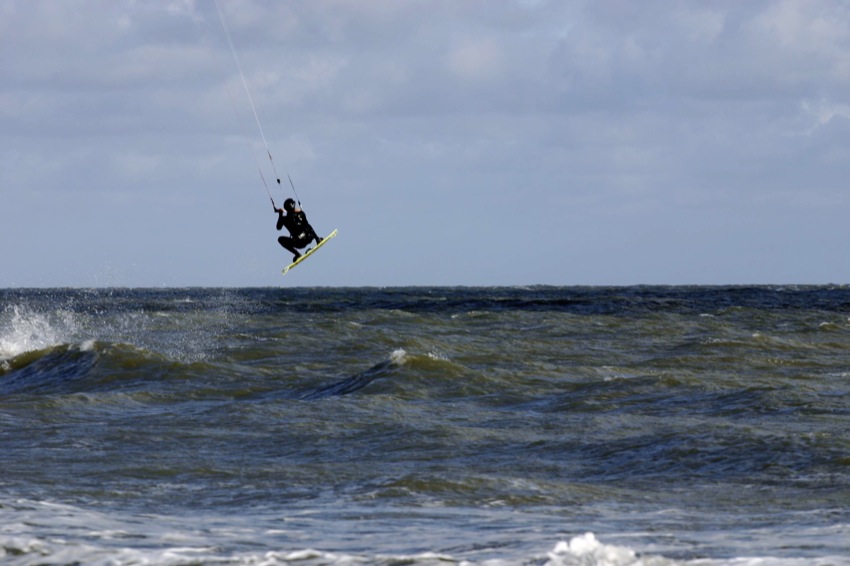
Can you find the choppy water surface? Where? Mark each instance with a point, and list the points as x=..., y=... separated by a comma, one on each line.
x=640, y=425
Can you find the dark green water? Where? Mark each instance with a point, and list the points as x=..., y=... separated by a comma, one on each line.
x=704, y=425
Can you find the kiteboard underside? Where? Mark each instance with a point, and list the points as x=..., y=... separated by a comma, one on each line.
x=309, y=252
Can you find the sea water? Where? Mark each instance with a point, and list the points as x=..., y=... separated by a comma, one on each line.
x=542, y=425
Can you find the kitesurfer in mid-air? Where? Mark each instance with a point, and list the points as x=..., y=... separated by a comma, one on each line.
x=300, y=231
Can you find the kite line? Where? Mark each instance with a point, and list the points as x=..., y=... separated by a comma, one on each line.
x=253, y=109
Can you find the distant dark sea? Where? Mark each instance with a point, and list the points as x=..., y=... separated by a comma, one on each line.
x=425, y=426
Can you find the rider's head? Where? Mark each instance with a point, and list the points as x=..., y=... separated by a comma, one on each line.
x=289, y=205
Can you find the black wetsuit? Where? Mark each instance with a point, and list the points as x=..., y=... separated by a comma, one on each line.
x=299, y=229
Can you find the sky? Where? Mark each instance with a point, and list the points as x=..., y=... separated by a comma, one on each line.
x=451, y=142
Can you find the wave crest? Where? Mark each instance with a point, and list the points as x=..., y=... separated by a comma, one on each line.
x=23, y=330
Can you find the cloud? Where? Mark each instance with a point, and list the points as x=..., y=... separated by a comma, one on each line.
x=476, y=60
x=600, y=120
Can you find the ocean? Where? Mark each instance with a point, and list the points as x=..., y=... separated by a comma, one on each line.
x=555, y=426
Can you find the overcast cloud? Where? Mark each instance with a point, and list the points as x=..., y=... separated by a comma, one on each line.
x=473, y=142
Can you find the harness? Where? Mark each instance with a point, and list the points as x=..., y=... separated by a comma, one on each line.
x=296, y=223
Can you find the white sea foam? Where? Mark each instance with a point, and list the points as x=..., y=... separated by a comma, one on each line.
x=108, y=538
x=438, y=356
x=587, y=550
x=23, y=330
x=398, y=357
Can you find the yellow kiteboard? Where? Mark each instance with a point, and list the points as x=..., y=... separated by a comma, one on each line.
x=309, y=252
